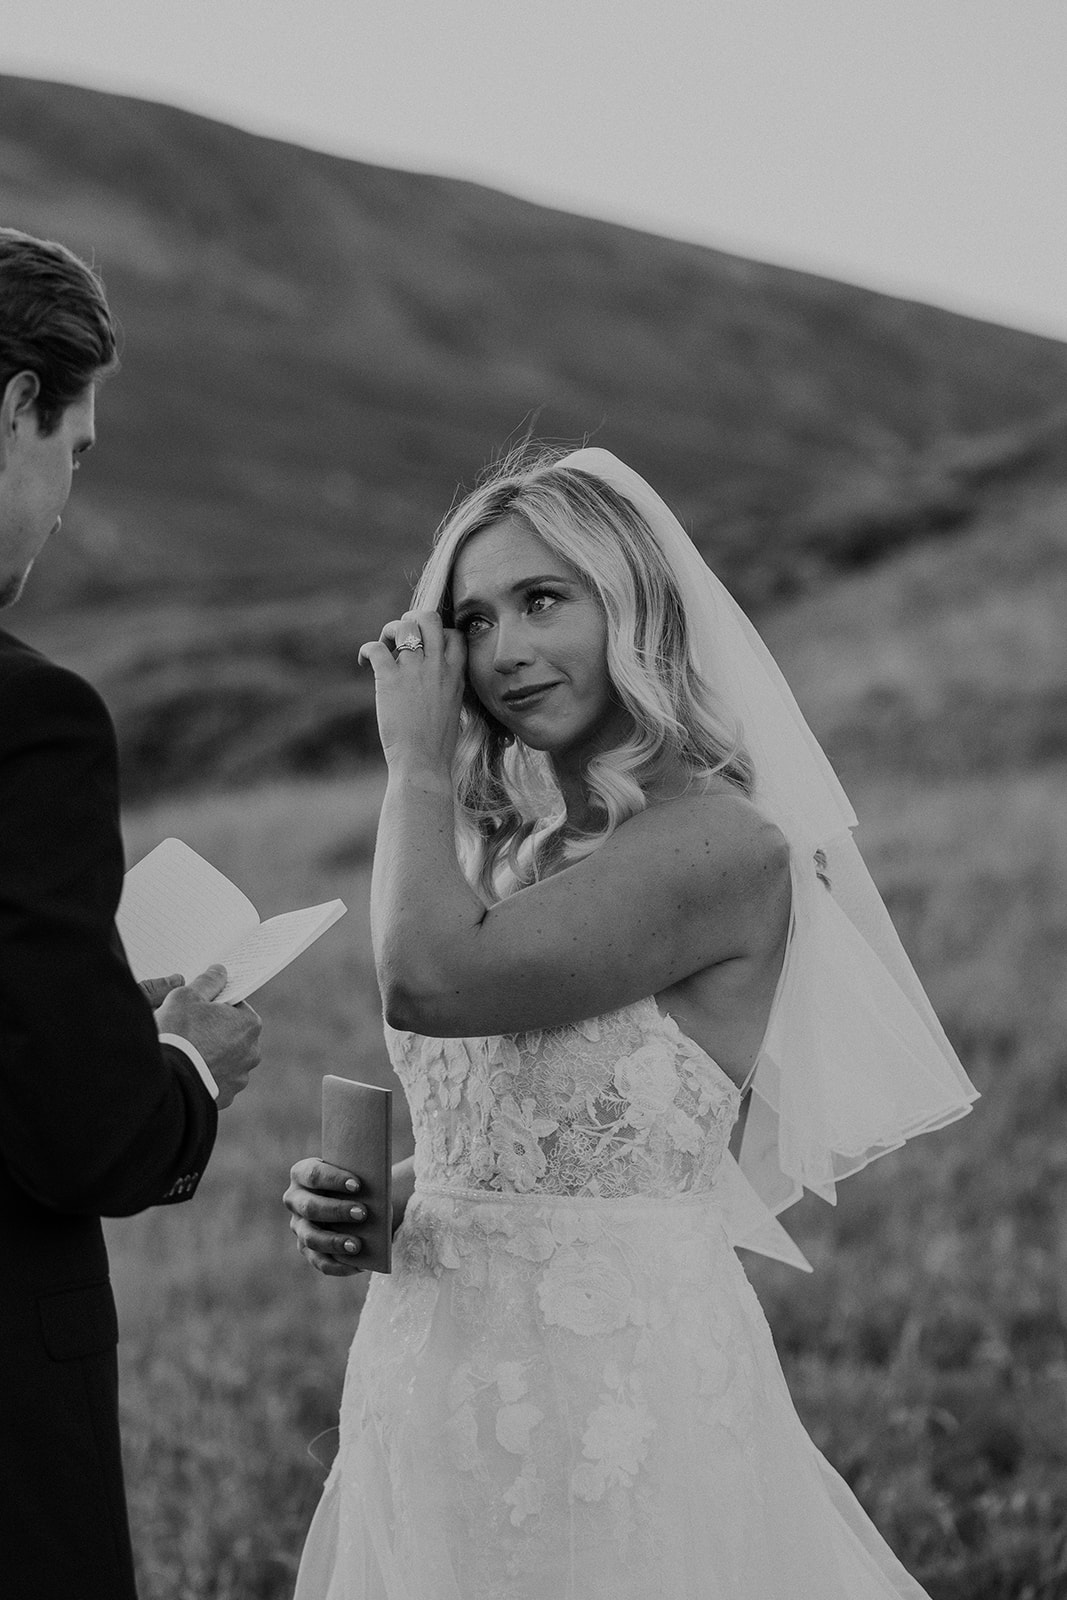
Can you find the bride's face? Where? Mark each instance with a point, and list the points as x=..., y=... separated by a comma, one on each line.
x=536, y=643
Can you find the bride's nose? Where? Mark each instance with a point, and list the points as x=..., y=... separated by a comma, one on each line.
x=513, y=646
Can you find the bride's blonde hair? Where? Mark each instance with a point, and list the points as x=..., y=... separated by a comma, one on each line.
x=504, y=789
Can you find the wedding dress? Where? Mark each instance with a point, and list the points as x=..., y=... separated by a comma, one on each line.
x=567, y=1389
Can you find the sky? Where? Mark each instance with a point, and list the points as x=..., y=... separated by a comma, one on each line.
x=916, y=146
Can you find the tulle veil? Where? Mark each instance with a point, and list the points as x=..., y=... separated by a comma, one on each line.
x=854, y=1061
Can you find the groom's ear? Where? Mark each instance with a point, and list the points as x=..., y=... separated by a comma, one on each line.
x=18, y=405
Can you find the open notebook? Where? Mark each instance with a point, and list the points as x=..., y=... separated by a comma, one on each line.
x=178, y=913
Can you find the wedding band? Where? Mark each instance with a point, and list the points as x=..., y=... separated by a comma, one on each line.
x=414, y=643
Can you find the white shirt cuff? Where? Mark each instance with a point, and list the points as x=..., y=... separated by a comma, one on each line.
x=195, y=1057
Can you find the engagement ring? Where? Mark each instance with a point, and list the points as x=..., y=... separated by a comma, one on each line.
x=414, y=643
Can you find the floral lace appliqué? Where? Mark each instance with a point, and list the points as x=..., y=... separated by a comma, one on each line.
x=621, y=1104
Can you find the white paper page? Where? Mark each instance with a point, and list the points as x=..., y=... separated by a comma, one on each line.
x=178, y=912
x=271, y=946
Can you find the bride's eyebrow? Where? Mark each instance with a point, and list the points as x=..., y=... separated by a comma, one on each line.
x=468, y=600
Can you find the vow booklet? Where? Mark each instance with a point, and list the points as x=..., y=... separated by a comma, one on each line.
x=357, y=1134
x=178, y=913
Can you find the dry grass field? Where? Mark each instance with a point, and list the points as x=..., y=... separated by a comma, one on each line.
x=927, y=1354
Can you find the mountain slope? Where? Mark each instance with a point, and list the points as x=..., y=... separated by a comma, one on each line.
x=317, y=351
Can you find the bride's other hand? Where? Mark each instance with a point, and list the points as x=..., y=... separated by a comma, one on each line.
x=325, y=1216
x=419, y=673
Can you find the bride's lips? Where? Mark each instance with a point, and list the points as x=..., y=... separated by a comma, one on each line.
x=521, y=699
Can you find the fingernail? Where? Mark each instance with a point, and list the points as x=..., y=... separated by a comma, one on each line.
x=357, y=1214
x=351, y=1184
x=351, y=1246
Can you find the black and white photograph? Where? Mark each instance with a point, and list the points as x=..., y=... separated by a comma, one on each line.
x=533, y=800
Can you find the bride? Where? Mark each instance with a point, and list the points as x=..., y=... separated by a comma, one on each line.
x=618, y=920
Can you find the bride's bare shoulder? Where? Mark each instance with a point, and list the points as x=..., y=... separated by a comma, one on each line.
x=718, y=845
x=721, y=821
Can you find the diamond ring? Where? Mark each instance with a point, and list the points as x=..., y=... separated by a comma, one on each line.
x=414, y=643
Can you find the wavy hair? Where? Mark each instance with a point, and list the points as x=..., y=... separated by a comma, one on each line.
x=505, y=791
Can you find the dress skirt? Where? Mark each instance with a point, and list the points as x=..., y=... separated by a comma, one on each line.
x=578, y=1398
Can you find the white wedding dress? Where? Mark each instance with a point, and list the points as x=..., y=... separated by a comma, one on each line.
x=567, y=1389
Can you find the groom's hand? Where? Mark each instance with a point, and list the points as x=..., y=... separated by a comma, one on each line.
x=226, y=1036
x=156, y=990
x=326, y=1216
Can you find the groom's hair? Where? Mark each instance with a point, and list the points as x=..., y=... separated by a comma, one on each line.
x=54, y=322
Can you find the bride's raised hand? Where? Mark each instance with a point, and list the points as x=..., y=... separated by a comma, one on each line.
x=419, y=668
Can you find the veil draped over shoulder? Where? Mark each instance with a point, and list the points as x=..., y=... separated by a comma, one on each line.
x=854, y=1061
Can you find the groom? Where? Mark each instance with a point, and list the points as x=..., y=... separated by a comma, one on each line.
x=101, y=1113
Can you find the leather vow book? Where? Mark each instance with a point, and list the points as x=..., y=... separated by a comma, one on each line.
x=357, y=1134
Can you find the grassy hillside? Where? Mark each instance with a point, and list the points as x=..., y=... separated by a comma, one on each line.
x=318, y=351
x=949, y=658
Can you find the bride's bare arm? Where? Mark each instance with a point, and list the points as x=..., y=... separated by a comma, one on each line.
x=689, y=884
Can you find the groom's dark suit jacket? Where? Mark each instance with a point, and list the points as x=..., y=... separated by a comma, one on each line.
x=96, y=1119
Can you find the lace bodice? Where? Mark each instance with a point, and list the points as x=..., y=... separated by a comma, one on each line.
x=621, y=1104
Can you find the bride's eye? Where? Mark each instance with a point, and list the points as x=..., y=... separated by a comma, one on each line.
x=471, y=625
x=536, y=595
